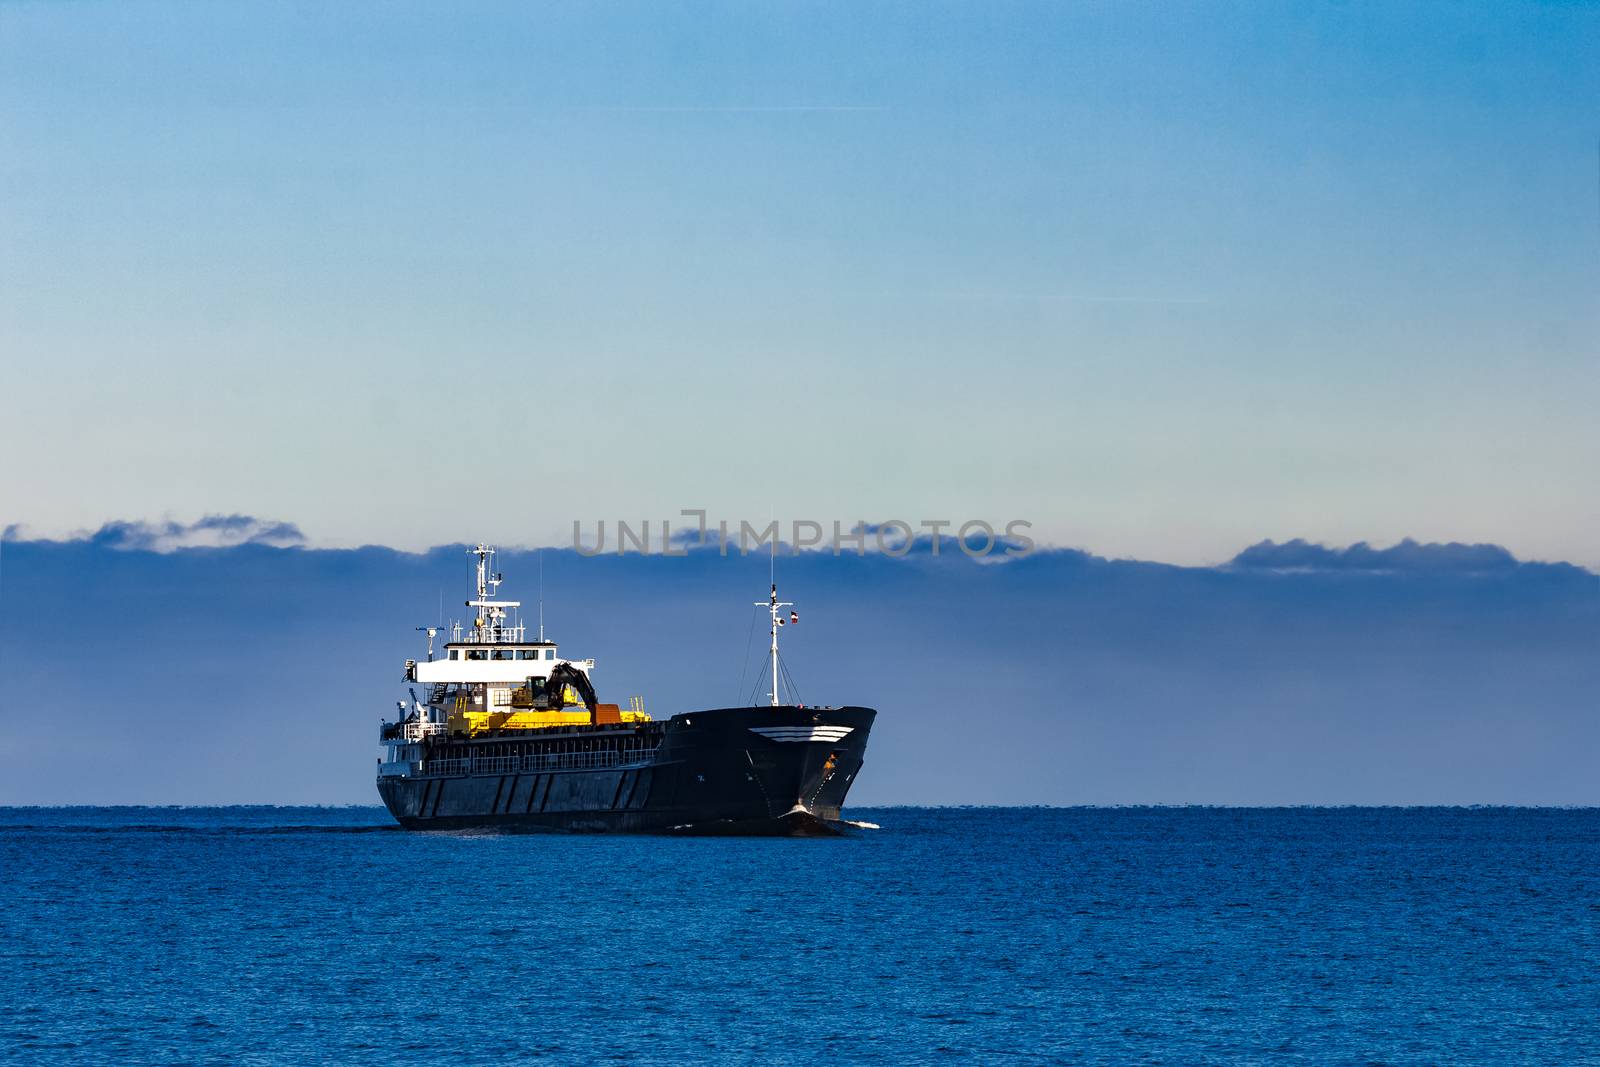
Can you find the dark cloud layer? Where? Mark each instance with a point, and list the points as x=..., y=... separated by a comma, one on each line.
x=1408, y=555
x=1294, y=674
x=212, y=531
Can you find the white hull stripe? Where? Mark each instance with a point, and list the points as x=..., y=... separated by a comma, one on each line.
x=802, y=733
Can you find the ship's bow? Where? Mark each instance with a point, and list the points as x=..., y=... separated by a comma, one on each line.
x=766, y=770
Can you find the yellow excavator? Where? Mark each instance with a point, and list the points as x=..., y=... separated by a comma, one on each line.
x=541, y=703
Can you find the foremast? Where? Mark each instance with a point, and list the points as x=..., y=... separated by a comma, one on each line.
x=773, y=604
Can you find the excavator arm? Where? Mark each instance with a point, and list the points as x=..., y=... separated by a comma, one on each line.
x=566, y=674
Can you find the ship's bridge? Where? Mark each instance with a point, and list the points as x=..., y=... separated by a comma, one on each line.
x=504, y=664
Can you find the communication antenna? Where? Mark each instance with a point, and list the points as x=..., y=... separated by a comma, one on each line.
x=489, y=626
x=539, y=555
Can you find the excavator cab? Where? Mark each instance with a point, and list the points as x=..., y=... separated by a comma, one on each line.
x=565, y=685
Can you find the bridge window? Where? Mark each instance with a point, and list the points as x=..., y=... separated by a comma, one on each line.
x=455, y=653
x=477, y=653
x=549, y=653
x=500, y=653
x=527, y=653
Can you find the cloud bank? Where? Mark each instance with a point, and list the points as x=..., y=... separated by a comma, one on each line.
x=186, y=669
x=1408, y=555
x=211, y=531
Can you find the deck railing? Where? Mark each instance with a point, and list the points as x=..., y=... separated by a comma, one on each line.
x=411, y=730
x=549, y=761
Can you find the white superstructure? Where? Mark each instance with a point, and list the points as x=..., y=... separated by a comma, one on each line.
x=493, y=652
x=484, y=668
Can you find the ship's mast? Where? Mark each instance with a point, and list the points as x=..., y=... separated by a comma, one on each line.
x=773, y=604
x=491, y=613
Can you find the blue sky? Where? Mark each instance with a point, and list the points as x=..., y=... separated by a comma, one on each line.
x=1163, y=279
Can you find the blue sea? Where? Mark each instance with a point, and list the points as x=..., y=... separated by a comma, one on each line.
x=991, y=936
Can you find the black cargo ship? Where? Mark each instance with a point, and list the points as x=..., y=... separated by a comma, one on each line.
x=511, y=737
x=755, y=770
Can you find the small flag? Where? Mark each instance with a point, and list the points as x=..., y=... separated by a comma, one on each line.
x=794, y=616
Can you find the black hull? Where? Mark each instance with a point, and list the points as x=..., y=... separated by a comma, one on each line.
x=768, y=771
